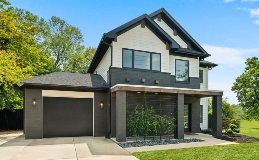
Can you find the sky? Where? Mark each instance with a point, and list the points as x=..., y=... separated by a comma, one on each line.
x=226, y=29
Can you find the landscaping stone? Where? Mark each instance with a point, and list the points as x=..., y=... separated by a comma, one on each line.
x=157, y=142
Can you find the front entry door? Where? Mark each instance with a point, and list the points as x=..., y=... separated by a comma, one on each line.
x=187, y=117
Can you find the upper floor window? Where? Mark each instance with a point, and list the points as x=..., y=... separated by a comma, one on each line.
x=201, y=76
x=141, y=59
x=182, y=70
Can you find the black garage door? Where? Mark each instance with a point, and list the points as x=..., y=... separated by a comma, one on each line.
x=67, y=117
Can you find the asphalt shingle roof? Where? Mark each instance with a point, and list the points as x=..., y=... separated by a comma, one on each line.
x=68, y=79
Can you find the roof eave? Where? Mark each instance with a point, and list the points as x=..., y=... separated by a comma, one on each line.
x=178, y=26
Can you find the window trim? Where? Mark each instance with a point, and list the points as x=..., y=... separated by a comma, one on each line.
x=201, y=80
x=188, y=71
x=133, y=58
x=132, y=55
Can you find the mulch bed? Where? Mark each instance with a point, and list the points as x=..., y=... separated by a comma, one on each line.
x=239, y=138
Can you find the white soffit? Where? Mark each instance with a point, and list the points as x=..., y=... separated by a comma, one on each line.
x=69, y=94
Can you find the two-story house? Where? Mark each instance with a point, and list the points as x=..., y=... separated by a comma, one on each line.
x=148, y=58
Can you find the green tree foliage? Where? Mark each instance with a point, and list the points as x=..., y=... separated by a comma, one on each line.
x=247, y=88
x=61, y=40
x=232, y=111
x=20, y=57
x=34, y=46
x=10, y=74
x=79, y=62
x=18, y=37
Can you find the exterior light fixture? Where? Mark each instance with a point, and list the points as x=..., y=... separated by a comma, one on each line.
x=138, y=92
x=156, y=93
x=34, y=102
x=101, y=104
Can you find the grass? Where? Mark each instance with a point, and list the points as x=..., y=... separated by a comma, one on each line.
x=250, y=128
x=243, y=151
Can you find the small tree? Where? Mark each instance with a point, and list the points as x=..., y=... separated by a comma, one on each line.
x=231, y=116
x=247, y=88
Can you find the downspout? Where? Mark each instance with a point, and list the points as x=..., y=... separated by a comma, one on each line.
x=110, y=96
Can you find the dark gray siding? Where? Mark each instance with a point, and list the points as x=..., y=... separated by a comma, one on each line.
x=113, y=116
x=100, y=114
x=135, y=76
x=33, y=114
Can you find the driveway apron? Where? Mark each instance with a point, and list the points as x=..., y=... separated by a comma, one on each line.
x=69, y=148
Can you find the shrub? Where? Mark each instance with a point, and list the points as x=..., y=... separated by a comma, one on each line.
x=229, y=131
x=207, y=130
x=144, y=121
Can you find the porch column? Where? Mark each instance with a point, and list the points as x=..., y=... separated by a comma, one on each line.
x=121, y=116
x=179, y=133
x=217, y=116
x=195, y=116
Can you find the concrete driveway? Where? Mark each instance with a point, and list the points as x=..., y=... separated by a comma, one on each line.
x=69, y=148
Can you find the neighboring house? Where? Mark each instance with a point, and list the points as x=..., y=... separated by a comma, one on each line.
x=151, y=57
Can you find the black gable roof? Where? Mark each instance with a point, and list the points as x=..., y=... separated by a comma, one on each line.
x=110, y=36
x=175, y=25
x=67, y=79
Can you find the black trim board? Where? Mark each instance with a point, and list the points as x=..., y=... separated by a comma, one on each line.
x=64, y=88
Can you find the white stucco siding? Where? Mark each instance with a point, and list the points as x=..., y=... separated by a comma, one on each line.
x=204, y=103
x=140, y=39
x=193, y=65
x=169, y=31
x=104, y=65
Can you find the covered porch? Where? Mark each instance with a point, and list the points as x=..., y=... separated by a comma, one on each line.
x=178, y=98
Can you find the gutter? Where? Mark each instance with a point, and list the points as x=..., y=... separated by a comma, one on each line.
x=110, y=96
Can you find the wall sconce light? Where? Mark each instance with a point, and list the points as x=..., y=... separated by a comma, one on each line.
x=101, y=104
x=34, y=102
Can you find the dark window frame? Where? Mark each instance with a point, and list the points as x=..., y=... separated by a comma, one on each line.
x=133, y=59
x=201, y=77
x=188, y=80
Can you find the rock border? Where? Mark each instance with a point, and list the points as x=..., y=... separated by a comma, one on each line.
x=157, y=142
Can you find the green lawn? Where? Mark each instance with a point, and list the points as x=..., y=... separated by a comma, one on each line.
x=250, y=128
x=243, y=151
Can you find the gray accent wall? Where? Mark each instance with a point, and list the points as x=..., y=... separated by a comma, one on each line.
x=100, y=114
x=217, y=116
x=195, y=116
x=135, y=76
x=121, y=116
x=113, y=116
x=180, y=117
x=33, y=114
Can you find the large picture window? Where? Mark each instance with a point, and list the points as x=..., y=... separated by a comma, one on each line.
x=182, y=70
x=141, y=60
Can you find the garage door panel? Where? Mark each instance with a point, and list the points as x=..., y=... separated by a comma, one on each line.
x=67, y=117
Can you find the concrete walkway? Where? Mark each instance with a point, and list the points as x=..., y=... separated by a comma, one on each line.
x=15, y=147
x=208, y=141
